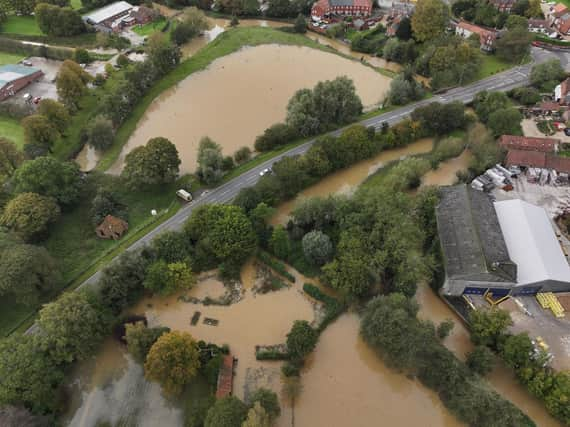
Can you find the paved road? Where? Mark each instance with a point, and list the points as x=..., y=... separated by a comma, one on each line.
x=515, y=77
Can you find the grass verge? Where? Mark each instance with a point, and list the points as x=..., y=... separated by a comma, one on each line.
x=150, y=27
x=491, y=65
x=23, y=25
x=10, y=58
x=12, y=130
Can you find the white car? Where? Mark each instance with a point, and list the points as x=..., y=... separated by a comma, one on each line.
x=265, y=171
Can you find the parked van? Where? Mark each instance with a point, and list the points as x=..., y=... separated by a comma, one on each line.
x=184, y=195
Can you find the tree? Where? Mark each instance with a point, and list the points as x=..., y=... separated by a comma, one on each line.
x=193, y=23
x=100, y=133
x=162, y=54
x=29, y=215
x=17, y=416
x=70, y=83
x=39, y=131
x=279, y=242
x=274, y=136
x=27, y=272
x=445, y=328
x=165, y=279
x=317, y=247
x=123, y=61
x=173, y=361
x=27, y=375
x=404, y=89
x=257, y=417
x=547, y=75
x=49, y=177
x=71, y=327
x=19, y=7
x=81, y=56
x=292, y=175
x=516, y=21
x=210, y=161
x=300, y=24
x=155, y=163
x=227, y=412
x=514, y=45
x=140, y=339
x=301, y=340
x=56, y=113
x=268, y=401
x=242, y=155
x=516, y=351
x=430, y=19
x=58, y=21
x=404, y=30
x=172, y=246
x=105, y=203
x=489, y=326
x=486, y=103
x=481, y=360
x=10, y=159
x=506, y=121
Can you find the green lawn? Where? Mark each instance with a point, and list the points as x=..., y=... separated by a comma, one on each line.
x=10, y=58
x=492, y=65
x=149, y=28
x=76, y=4
x=11, y=129
x=24, y=25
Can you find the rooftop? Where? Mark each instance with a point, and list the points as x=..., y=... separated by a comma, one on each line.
x=527, y=143
x=108, y=12
x=11, y=72
x=531, y=242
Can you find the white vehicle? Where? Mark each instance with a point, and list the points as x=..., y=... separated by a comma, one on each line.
x=184, y=195
x=265, y=171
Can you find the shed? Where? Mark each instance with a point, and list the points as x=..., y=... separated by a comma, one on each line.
x=112, y=228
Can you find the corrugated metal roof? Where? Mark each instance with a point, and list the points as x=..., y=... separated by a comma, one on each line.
x=11, y=72
x=108, y=12
x=531, y=242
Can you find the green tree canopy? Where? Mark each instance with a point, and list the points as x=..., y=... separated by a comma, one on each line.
x=165, y=279
x=488, y=327
x=430, y=19
x=514, y=46
x=210, y=161
x=55, y=112
x=481, y=360
x=505, y=121
x=173, y=361
x=545, y=76
x=155, y=163
x=268, y=400
x=100, y=133
x=49, y=177
x=29, y=215
x=27, y=272
x=10, y=159
x=279, y=242
x=226, y=412
x=140, y=339
x=257, y=417
x=317, y=247
x=39, y=131
x=301, y=340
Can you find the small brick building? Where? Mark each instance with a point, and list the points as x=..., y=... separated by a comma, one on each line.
x=342, y=7
x=112, y=228
x=16, y=77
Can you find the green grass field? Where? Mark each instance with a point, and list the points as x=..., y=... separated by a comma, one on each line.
x=10, y=58
x=151, y=27
x=492, y=65
x=11, y=129
x=24, y=25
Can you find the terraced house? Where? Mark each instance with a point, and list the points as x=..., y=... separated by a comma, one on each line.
x=324, y=8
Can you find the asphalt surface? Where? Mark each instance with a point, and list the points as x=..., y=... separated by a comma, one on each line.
x=515, y=77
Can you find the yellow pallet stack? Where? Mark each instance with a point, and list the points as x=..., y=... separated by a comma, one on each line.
x=548, y=300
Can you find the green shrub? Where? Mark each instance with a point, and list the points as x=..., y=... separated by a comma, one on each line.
x=275, y=265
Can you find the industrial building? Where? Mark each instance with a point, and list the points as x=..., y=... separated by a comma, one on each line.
x=16, y=77
x=506, y=248
x=119, y=15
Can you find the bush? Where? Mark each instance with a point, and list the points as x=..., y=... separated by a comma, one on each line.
x=81, y=56
x=275, y=265
x=275, y=136
x=301, y=340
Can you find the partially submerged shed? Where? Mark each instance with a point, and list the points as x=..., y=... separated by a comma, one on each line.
x=112, y=228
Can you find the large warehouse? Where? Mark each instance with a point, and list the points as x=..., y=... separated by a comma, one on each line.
x=15, y=77
x=506, y=247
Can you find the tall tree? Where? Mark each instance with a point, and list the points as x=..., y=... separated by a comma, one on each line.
x=514, y=46
x=100, y=133
x=210, y=161
x=58, y=21
x=481, y=360
x=140, y=339
x=489, y=326
x=27, y=272
x=55, y=112
x=173, y=361
x=39, y=131
x=29, y=215
x=10, y=159
x=165, y=279
x=257, y=416
x=317, y=247
x=301, y=340
x=279, y=242
x=226, y=412
x=155, y=163
x=163, y=54
x=430, y=19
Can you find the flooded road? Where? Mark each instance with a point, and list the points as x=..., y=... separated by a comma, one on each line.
x=347, y=384
x=347, y=180
x=240, y=95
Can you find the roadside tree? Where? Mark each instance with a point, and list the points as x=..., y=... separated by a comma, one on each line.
x=210, y=161
x=242, y=155
x=547, y=75
x=173, y=361
x=29, y=215
x=27, y=272
x=514, y=46
x=155, y=163
x=165, y=279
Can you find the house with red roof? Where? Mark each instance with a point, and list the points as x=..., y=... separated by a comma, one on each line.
x=487, y=36
x=524, y=143
x=503, y=5
x=324, y=8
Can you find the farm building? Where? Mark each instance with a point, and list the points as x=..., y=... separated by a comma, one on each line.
x=515, y=142
x=341, y=7
x=116, y=16
x=16, y=77
x=506, y=247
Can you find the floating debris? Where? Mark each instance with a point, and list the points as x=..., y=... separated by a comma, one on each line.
x=211, y=322
x=195, y=318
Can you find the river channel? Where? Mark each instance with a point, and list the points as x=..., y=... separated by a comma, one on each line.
x=343, y=384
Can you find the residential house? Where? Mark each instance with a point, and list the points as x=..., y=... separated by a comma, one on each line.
x=14, y=78
x=539, y=26
x=503, y=5
x=324, y=8
x=487, y=36
x=556, y=11
x=562, y=24
x=562, y=92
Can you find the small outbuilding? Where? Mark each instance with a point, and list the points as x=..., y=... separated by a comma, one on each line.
x=112, y=228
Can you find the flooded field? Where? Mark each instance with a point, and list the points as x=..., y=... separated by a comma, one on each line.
x=221, y=102
x=346, y=384
x=347, y=180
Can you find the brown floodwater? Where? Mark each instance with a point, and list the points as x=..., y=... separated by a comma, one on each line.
x=347, y=180
x=446, y=173
x=87, y=158
x=241, y=94
x=347, y=384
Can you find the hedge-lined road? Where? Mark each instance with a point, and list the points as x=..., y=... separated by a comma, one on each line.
x=515, y=77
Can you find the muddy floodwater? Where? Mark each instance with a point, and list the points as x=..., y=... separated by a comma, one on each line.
x=240, y=95
x=446, y=173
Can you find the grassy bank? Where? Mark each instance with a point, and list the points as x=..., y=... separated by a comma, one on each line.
x=492, y=65
x=11, y=129
x=10, y=58
x=23, y=25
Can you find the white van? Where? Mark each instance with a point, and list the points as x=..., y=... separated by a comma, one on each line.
x=185, y=195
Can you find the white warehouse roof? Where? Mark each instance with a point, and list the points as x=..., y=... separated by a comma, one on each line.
x=531, y=242
x=108, y=12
